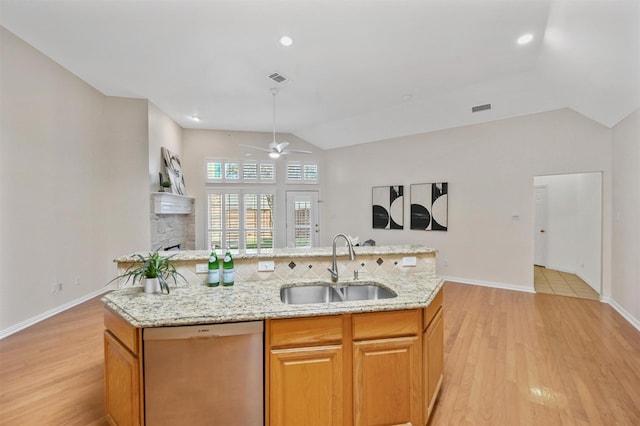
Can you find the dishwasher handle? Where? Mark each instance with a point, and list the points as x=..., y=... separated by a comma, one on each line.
x=203, y=331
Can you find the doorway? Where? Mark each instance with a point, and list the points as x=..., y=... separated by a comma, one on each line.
x=302, y=219
x=568, y=234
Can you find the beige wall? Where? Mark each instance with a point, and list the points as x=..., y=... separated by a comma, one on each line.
x=163, y=132
x=199, y=145
x=625, y=282
x=490, y=169
x=72, y=192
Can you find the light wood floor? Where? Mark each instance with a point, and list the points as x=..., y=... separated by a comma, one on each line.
x=511, y=358
x=561, y=283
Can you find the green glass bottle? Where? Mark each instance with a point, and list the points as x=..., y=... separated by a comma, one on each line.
x=214, y=269
x=227, y=269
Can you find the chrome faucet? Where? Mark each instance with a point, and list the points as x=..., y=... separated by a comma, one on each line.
x=334, y=265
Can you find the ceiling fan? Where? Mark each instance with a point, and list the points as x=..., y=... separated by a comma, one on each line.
x=276, y=149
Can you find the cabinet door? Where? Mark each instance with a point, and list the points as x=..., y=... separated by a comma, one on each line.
x=387, y=381
x=122, y=383
x=433, y=352
x=306, y=386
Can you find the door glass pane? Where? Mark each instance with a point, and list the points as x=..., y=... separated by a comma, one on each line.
x=302, y=223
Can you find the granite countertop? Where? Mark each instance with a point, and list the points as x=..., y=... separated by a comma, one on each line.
x=247, y=301
x=190, y=255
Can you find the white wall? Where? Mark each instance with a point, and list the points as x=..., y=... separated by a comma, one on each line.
x=198, y=145
x=589, y=225
x=72, y=192
x=625, y=280
x=490, y=169
x=574, y=228
x=163, y=132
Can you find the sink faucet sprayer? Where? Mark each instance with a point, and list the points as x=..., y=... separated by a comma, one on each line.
x=334, y=265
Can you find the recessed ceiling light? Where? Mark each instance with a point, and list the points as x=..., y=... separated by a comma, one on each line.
x=525, y=38
x=286, y=41
x=195, y=118
x=407, y=97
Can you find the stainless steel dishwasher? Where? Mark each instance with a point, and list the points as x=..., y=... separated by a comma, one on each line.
x=204, y=375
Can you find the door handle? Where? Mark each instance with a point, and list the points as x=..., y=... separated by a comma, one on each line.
x=542, y=230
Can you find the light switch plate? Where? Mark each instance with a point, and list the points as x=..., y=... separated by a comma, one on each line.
x=409, y=261
x=202, y=268
x=266, y=266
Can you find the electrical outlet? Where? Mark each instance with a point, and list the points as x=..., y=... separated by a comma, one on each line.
x=445, y=263
x=409, y=261
x=56, y=288
x=202, y=268
x=266, y=266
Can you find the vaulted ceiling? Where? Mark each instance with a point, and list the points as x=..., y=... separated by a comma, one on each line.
x=358, y=70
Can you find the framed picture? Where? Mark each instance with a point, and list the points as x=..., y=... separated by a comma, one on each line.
x=173, y=168
x=429, y=206
x=388, y=207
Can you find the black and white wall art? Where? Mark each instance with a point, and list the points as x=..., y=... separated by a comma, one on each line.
x=388, y=207
x=173, y=168
x=429, y=206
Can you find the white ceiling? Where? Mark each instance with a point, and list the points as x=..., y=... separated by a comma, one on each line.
x=352, y=61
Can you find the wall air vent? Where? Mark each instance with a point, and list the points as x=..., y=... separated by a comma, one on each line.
x=278, y=78
x=479, y=108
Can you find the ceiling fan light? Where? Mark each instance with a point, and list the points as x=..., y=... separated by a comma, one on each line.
x=274, y=155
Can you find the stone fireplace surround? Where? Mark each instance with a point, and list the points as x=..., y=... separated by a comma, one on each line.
x=173, y=221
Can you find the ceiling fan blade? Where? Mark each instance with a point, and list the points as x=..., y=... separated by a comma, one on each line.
x=281, y=146
x=255, y=147
x=298, y=151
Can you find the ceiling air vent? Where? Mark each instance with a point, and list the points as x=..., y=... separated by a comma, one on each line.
x=479, y=108
x=278, y=78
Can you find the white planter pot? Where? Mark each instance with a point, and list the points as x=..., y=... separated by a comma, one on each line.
x=151, y=285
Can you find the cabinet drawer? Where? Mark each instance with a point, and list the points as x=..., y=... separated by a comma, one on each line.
x=122, y=330
x=386, y=324
x=308, y=331
x=430, y=311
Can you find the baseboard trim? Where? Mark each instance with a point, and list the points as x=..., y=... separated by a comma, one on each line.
x=502, y=286
x=51, y=312
x=622, y=311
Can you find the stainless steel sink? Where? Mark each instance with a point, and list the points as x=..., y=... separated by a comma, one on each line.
x=322, y=292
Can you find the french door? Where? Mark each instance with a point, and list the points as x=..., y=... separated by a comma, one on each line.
x=302, y=219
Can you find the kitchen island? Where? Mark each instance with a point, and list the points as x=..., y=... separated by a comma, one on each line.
x=345, y=362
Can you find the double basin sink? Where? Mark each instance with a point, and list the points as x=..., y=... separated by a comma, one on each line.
x=324, y=292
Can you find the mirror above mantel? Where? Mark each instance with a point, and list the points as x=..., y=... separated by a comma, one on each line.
x=167, y=203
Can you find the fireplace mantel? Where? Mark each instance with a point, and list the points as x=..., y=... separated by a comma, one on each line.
x=167, y=203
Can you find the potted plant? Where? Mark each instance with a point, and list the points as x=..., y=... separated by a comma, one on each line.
x=155, y=269
x=165, y=184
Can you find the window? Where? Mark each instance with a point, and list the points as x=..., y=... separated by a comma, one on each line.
x=224, y=171
x=302, y=172
x=241, y=220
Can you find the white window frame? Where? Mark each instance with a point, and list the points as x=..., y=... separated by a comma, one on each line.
x=303, y=179
x=242, y=244
x=260, y=178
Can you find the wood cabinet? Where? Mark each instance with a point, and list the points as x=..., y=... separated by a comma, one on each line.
x=307, y=386
x=353, y=369
x=433, y=353
x=386, y=381
x=123, y=372
x=306, y=376
x=387, y=368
